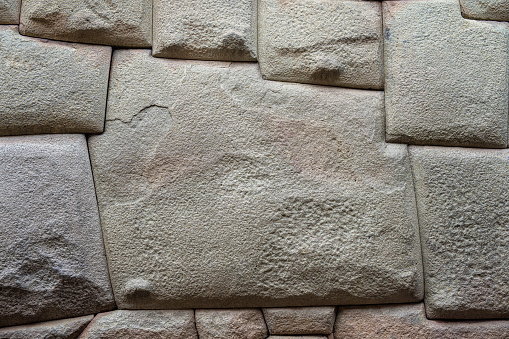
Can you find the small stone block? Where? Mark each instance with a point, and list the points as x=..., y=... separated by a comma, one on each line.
x=300, y=320
x=9, y=12
x=232, y=324
x=56, y=329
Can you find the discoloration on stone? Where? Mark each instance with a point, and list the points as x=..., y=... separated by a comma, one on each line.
x=9, y=12
x=57, y=329
x=300, y=320
x=234, y=324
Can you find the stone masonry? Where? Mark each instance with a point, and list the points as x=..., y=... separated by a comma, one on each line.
x=254, y=169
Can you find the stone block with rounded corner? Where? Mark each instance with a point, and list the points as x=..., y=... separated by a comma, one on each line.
x=51, y=87
x=409, y=321
x=496, y=10
x=446, y=78
x=56, y=329
x=231, y=323
x=150, y=324
x=124, y=23
x=335, y=43
x=300, y=320
x=463, y=206
x=218, y=189
x=205, y=30
x=9, y=12
x=53, y=262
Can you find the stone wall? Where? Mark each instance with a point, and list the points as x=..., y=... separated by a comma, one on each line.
x=253, y=169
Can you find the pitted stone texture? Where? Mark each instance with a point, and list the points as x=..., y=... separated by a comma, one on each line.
x=232, y=324
x=53, y=264
x=175, y=324
x=409, y=321
x=497, y=10
x=124, y=23
x=9, y=12
x=463, y=205
x=336, y=43
x=205, y=29
x=51, y=87
x=446, y=77
x=300, y=320
x=218, y=189
x=57, y=329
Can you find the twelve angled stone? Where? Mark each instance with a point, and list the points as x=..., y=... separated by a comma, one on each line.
x=463, y=205
x=56, y=329
x=9, y=12
x=174, y=324
x=205, y=29
x=322, y=42
x=446, y=77
x=125, y=23
x=233, y=324
x=219, y=189
x=53, y=264
x=300, y=320
x=497, y=10
x=51, y=87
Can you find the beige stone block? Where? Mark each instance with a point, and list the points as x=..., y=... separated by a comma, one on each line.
x=56, y=329
x=232, y=324
x=497, y=10
x=300, y=320
x=9, y=12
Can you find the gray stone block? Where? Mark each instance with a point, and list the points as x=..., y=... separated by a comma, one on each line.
x=56, y=329
x=300, y=320
x=497, y=10
x=53, y=264
x=233, y=324
x=9, y=12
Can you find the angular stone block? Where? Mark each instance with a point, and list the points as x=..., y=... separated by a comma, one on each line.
x=409, y=321
x=124, y=23
x=446, y=78
x=218, y=189
x=51, y=87
x=463, y=205
x=57, y=329
x=497, y=10
x=175, y=324
x=53, y=262
x=205, y=29
x=9, y=12
x=300, y=320
x=336, y=43
x=232, y=324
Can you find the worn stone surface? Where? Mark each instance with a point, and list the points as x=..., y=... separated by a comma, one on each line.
x=300, y=320
x=53, y=264
x=233, y=324
x=56, y=329
x=218, y=189
x=497, y=10
x=125, y=324
x=463, y=205
x=300, y=337
x=409, y=321
x=205, y=29
x=446, y=77
x=124, y=23
x=9, y=12
x=336, y=43
x=51, y=87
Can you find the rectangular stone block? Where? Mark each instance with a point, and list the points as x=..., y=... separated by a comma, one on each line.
x=335, y=43
x=126, y=23
x=53, y=263
x=463, y=206
x=219, y=189
x=9, y=12
x=300, y=320
x=51, y=87
x=205, y=29
x=56, y=329
x=497, y=10
x=232, y=324
x=446, y=78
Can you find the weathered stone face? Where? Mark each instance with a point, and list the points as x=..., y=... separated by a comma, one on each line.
x=175, y=324
x=233, y=324
x=219, y=189
x=322, y=42
x=446, y=78
x=53, y=264
x=300, y=320
x=125, y=23
x=51, y=87
x=497, y=10
x=57, y=329
x=205, y=29
x=9, y=12
x=463, y=205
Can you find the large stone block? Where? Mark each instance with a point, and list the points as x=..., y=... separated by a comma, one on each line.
x=205, y=29
x=51, y=87
x=463, y=205
x=446, y=77
x=232, y=324
x=409, y=321
x=53, y=262
x=497, y=10
x=56, y=329
x=125, y=23
x=336, y=43
x=300, y=320
x=174, y=324
x=9, y=12
x=219, y=189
